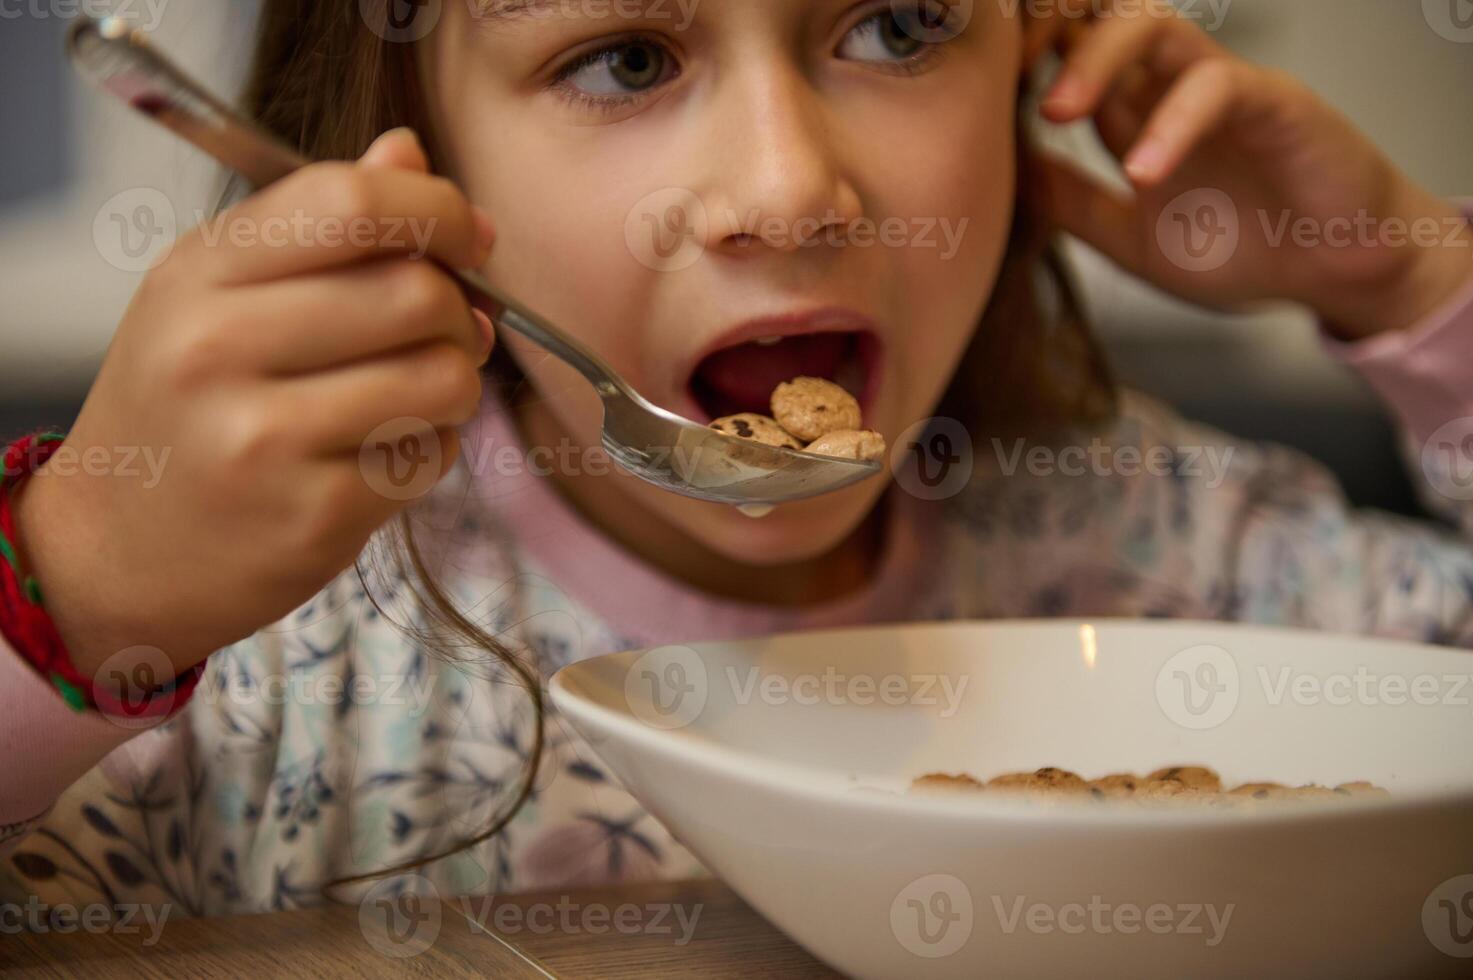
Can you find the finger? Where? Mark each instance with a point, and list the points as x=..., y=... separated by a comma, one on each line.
x=398, y=149
x=1194, y=108
x=1079, y=205
x=1091, y=69
x=437, y=385
x=1122, y=115
x=367, y=310
x=334, y=214
x=362, y=490
x=1048, y=28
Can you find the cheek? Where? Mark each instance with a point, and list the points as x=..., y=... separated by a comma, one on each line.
x=560, y=249
x=953, y=176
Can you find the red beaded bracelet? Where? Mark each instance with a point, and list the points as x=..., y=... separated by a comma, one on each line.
x=25, y=623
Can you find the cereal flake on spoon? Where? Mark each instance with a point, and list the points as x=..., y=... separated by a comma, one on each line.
x=812, y=414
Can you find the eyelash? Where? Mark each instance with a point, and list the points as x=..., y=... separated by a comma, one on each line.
x=609, y=104
x=604, y=104
x=913, y=65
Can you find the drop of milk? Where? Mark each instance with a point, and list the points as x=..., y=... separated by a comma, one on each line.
x=756, y=511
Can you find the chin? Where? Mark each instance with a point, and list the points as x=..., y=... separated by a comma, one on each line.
x=792, y=533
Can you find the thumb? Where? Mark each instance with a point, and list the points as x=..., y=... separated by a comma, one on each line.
x=398, y=149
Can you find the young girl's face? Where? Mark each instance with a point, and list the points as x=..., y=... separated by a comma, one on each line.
x=681, y=182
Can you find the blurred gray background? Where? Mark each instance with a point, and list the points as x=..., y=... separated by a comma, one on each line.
x=1396, y=67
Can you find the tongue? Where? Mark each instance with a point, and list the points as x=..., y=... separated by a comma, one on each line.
x=742, y=379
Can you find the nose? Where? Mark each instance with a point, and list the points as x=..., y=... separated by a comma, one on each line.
x=776, y=174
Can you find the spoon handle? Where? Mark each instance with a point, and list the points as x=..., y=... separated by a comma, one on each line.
x=121, y=62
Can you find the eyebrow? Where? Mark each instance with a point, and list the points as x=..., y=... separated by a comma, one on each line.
x=509, y=10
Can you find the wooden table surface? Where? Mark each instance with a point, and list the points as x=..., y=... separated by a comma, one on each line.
x=668, y=929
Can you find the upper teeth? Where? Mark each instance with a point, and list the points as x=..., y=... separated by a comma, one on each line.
x=768, y=341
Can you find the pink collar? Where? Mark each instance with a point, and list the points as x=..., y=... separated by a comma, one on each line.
x=644, y=605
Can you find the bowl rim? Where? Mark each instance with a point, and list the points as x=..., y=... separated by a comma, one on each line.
x=797, y=778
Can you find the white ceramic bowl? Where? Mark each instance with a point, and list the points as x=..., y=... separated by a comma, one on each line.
x=783, y=763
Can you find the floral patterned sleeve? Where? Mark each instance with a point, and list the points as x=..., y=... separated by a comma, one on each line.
x=1156, y=516
x=1300, y=555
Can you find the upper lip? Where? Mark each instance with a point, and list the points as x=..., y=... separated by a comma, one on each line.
x=828, y=319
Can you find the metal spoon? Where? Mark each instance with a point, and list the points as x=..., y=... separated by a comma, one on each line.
x=651, y=443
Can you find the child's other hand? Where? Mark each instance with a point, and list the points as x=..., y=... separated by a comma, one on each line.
x=1247, y=185
x=261, y=362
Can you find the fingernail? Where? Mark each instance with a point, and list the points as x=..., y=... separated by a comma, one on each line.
x=1146, y=161
x=488, y=331
x=402, y=132
x=1065, y=95
x=485, y=230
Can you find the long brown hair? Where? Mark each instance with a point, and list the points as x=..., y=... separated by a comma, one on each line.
x=325, y=79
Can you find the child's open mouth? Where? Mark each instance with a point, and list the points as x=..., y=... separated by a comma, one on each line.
x=742, y=378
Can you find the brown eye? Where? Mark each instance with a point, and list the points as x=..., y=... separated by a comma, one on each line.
x=624, y=69
x=638, y=66
x=899, y=33
x=899, y=37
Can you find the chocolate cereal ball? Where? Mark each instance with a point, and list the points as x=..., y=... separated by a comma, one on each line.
x=757, y=428
x=1361, y=789
x=1118, y=785
x=1047, y=780
x=811, y=408
x=1264, y=791
x=940, y=782
x=1190, y=777
x=849, y=444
